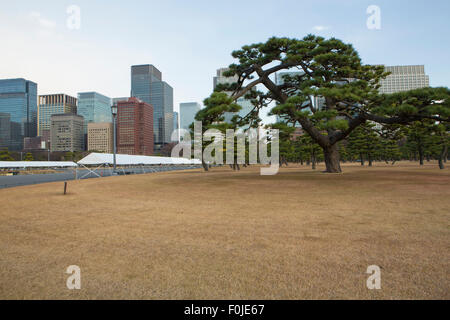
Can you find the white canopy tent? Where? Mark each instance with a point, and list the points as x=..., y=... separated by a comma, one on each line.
x=126, y=160
x=37, y=164
x=106, y=159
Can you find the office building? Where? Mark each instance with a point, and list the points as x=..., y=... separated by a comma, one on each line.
x=404, y=78
x=94, y=107
x=176, y=125
x=134, y=127
x=18, y=112
x=246, y=105
x=100, y=137
x=116, y=100
x=188, y=110
x=52, y=104
x=147, y=85
x=66, y=132
x=280, y=79
x=34, y=144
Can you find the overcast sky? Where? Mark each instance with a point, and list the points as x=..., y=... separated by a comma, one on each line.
x=189, y=40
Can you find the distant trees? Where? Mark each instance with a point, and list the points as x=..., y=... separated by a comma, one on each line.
x=5, y=155
x=29, y=157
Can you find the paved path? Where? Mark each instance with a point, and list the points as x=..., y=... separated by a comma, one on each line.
x=23, y=180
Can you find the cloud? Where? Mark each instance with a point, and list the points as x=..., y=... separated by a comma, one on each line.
x=320, y=28
x=42, y=21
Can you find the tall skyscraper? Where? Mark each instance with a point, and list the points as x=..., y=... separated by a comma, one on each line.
x=404, y=78
x=134, y=127
x=18, y=108
x=52, y=104
x=147, y=85
x=280, y=78
x=66, y=132
x=188, y=110
x=176, y=124
x=246, y=105
x=94, y=107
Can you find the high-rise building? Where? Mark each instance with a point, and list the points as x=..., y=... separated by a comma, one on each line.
x=404, y=78
x=66, y=132
x=188, y=110
x=246, y=105
x=18, y=106
x=134, y=127
x=34, y=144
x=52, y=104
x=176, y=125
x=280, y=78
x=147, y=85
x=94, y=107
x=100, y=136
x=115, y=100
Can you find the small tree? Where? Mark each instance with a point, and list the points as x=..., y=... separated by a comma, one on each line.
x=29, y=157
x=5, y=155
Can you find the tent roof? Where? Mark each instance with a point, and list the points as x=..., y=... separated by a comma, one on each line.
x=36, y=164
x=125, y=159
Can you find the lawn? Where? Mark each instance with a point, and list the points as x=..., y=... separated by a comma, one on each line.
x=301, y=234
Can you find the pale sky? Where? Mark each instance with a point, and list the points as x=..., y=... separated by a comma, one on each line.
x=189, y=40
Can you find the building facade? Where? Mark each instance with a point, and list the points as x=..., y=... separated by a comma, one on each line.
x=176, y=126
x=404, y=78
x=246, y=105
x=18, y=112
x=134, y=127
x=66, y=132
x=34, y=143
x=100, y=136
x=94, y=107
x=188, y=110
x=52, y=104
x=147, y=85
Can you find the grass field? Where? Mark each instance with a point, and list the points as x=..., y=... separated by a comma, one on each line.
x=231, y=235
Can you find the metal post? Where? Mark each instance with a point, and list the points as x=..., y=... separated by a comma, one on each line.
x=114, y=142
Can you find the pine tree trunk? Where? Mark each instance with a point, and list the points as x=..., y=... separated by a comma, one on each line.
x=421, y=157
x=370, y=159
x=362, y=158
x=332, y=161
x=442, y=157
x=205, y=166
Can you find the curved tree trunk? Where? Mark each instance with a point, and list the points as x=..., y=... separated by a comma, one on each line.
x=205, y=166
x=332, y=161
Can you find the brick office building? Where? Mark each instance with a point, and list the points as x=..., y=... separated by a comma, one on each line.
x=134, y=127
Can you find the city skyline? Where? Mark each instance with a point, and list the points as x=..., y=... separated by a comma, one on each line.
x=193, y=45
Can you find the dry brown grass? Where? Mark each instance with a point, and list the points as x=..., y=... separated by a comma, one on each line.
x=231, y=235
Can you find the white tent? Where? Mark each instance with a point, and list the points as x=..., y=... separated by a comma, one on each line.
x=37, y=164
x=125, y=159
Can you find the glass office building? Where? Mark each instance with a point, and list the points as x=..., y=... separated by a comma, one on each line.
x=147, y=85
x=18, y=112
x=188, y=110
x=94, y=107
